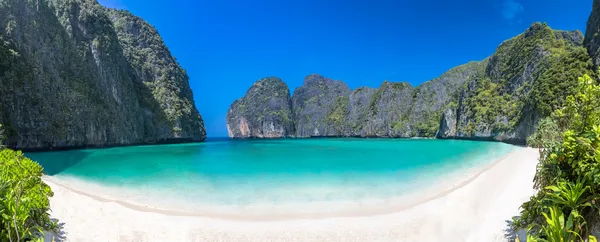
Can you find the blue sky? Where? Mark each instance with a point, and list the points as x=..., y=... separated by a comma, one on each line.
x=226, y=45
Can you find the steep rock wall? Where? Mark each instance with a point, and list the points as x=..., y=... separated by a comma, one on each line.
x=66, y=81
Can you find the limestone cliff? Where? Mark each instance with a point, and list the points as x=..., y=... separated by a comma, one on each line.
x=358, y=114
x=325, y=107
x=499, y=98
x=264, y=112
x=526, y=78
x=592, y=33
x=388, y=106
x=75, y=74
x=320, y=107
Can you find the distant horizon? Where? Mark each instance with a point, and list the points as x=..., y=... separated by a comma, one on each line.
x=362, y=43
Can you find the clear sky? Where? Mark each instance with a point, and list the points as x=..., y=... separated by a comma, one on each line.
x=226, y=45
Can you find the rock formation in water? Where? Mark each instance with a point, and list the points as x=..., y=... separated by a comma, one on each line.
x=499, y=98
x=265, y=111
x=76, y=74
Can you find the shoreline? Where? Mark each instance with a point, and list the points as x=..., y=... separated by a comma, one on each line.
x=475, y=209
x=172, y=141
x=415, y=199
x=218, y=139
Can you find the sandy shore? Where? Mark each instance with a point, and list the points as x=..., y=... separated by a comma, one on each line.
x=476, y=209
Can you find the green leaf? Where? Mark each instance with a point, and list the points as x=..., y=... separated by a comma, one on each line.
x=569, y=224
x=553, y=188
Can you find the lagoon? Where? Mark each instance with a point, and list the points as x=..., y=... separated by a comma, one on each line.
x=260, y=177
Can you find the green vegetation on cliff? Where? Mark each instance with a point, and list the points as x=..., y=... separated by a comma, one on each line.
x=389, y=87
x=525, y=80
x=429, y=126
x=265, y=111
x=77, y=74
x=432, y=98
x=339, y=115
x=558, y=81
x=321, y=107
x=487, y=105
x=501, y=98
x=165, y=86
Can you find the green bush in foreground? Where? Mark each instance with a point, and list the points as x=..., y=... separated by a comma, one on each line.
x=547, y=134
x=568, y=174
x=24, y=202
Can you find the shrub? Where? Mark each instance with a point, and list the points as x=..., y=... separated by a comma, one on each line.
x=24, y=198
x=547, y=134
x=569, y=170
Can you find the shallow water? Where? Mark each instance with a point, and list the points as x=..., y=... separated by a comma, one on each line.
x=246, y=173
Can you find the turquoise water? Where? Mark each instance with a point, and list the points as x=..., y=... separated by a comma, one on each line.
x=269, y=172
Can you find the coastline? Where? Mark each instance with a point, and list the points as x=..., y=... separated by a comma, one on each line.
x=108, y=146
x=437, y=189
x=471, y=202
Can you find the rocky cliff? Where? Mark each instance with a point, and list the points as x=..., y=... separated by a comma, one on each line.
x=592, y=32
x=75, y=74
x=526, y=78
x=325, y=107
x=264, y=112
x=499, y=98
x=320, y=107
x=394, y=109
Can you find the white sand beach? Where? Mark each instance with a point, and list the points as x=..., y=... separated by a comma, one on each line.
x=475, y=209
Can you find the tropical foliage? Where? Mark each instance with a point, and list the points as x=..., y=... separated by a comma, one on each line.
x=568, y=175
x=24, y=203
x=547, y=134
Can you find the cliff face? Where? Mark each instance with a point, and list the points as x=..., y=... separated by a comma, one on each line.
x=264, y=112
x=524, y=80
x=359, y=111
x=324, y=107
x=399, y=110
x=164, y=85
x=432, y=98
x=320, y=107
x=499, y=98
x=592, y=33
x=76, y=74
x=388, y=106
